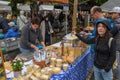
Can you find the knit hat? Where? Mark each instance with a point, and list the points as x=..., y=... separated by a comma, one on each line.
x=116, y=10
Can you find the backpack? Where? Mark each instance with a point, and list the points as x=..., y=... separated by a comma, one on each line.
x=109, y=43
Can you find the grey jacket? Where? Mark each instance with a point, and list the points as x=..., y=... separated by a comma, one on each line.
x=42, y=28
x=117, y=36
x=30, y=36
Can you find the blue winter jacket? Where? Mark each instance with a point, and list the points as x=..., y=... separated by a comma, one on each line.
x=13, y=32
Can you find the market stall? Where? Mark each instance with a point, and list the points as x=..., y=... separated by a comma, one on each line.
x=60, y=61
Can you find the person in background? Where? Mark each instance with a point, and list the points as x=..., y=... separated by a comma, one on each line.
x=104, y=53
x=46, y=30
x=14, y=19
x=81, y=18
x=30, y=34
x=13, y=31
x=116, y=33
x=51, y=17
x=21, y=20
x=4, y=24
x=97, y=15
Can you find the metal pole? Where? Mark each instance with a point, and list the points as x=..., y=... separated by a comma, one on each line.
x=66, y=22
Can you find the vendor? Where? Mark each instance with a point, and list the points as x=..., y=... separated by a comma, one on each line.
x=30, y=33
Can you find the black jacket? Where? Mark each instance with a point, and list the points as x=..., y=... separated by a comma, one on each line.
x=4, y=24
x=104, y=56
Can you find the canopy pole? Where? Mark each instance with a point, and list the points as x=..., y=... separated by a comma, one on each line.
x=74, y=22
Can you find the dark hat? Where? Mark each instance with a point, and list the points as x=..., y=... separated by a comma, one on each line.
x=105, y=22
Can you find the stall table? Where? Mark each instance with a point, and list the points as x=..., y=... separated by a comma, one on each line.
x=78, y=70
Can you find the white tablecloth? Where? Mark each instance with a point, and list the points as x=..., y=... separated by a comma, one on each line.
x=11, y=74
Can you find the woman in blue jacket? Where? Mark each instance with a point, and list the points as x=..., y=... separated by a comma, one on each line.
x=13, y=31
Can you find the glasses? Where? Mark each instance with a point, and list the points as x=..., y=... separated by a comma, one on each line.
x=92, y=14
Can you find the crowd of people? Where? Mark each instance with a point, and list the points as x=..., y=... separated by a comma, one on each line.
x=103, y=40
x=33, y=30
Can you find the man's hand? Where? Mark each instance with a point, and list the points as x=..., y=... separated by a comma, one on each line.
x=44, y=48
x=34, y=47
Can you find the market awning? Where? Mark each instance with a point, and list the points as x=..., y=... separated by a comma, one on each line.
x=5, y=8
x=46, y=7
x=107, y=6
x=41, y=7
x=56, y=1
x=4, y=2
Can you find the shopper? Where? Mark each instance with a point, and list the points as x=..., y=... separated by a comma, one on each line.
x=13, y=31
x=116, y=33
x=4, y=24
x=21, y=20
x=104, y=54
x=97, y=15
x=46, y=30
x=30, y=34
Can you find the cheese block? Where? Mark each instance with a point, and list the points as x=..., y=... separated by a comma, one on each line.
x=37, y=74
x=8, y=66
x=20, y=78
x=70, y=59
x=33, y=78
x=44, y=77
x=56, y=70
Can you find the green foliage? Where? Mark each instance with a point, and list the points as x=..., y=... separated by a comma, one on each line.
x=17, y=65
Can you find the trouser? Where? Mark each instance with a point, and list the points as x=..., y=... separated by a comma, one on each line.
x=118, y=65
x=101, y=74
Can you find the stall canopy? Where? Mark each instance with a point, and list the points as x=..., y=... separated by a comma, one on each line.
x=46, y=7
x=24, y=7
x=4, y=2
x=107, y=6
x=5, y=8
x=41, y=7
x=56, y=1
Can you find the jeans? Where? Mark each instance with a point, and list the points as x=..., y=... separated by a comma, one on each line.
x=118, y=66
x=100, y=74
